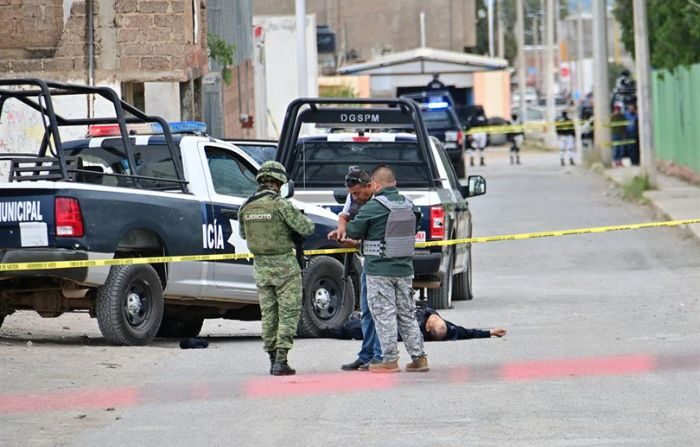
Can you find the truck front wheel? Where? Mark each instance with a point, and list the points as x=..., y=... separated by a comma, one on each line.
x=129, y=306
x=324, y=304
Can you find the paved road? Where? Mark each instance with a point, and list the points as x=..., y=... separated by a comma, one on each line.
x=603, y=349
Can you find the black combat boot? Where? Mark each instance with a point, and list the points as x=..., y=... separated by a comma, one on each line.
x=517, y=159
x=563, y=163
x=471, y=161
x=281, y=367
x=571, y=162
x=482, y=162
x=272, y=355
x=511, y=159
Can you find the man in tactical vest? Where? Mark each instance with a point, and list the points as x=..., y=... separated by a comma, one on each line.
x=267, y=222
x=359, y=185
x=387, y=225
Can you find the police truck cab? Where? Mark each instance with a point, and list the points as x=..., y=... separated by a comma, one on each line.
x=386, y=131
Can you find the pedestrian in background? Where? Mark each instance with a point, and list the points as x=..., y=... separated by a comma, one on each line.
x=267, y=222
x=359, y=186
x=478, y=139
x=567, y=138
x=436, y=83
x=387, y=225
x=617, y=135
x=632, y=133
x=516, y=139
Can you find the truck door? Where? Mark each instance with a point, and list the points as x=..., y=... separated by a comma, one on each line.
x=231, y=179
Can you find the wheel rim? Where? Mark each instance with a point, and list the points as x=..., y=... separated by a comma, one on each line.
x=138, y=303
x=326, y=300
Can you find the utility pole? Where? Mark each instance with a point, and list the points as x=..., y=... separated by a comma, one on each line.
x=579, y=51
x=422, y=29
x=601, y=91
x=641, y=54
x=579, y=76
x=537, y=52
x=549, y=73
x=501, y=32
x=301, y=46
x=520, y=34
x=490, y=20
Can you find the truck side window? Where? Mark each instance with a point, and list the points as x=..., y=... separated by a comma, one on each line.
x=230, y=175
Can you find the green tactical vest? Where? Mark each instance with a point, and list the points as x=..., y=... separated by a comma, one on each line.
x=265, y=231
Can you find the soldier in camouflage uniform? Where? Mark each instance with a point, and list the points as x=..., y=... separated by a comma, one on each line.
x=267, y=222
x=387, y=225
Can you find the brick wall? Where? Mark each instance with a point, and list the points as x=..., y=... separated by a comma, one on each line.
x=241, y=91
x=30, y=27
x=141, y=40
x=156, y=41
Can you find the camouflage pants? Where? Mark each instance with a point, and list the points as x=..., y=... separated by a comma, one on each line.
x=391, y=303
x=278, y=279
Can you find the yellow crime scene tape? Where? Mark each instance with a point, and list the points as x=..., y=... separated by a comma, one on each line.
x=23, y=266
x=535, y=125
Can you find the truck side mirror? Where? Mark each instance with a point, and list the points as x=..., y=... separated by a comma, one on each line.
x=340, y=195
x=476, y=186
x=287, y=190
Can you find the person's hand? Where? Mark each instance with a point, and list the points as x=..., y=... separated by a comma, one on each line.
x=498, y=332
x=333, y=235
x=349, y=243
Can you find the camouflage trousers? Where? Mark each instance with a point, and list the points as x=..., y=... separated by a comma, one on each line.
x=278, y=279
x=391, y=303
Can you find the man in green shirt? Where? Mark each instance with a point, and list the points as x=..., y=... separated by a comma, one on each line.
x=267, y=222
x=387, y=226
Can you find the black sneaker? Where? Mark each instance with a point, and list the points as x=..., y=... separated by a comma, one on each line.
x=353, y=366
x=283, y=369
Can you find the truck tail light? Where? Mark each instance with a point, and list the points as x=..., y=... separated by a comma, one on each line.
x=460, y=138
x=437, y=222
x=69, y=219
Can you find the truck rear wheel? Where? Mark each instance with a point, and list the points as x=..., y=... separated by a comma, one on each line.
x=441, y=298
x=324, y=305
x=463, y=282
x=180, y=326
x=129, y=306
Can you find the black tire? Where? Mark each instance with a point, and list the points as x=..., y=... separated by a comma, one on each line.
x=460, y=168
x=441, y=298
x=178, y=326
x=129, y=306
x=463, y=282
x=323, y=305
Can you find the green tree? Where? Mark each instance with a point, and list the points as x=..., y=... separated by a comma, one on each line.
x=674, y=31
x=222, y=53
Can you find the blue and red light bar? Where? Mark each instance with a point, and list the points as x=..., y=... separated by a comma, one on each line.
x=176, y=127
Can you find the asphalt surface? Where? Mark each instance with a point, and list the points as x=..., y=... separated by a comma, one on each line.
x=603, y=348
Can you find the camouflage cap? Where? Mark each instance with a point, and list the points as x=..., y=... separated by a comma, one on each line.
x=272, y=169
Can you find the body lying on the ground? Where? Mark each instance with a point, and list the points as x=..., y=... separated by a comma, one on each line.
x=432, y=326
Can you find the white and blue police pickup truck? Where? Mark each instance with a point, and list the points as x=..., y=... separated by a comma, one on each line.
x=368, y=132
x=120, y=193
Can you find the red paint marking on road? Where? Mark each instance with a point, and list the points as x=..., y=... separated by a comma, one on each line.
x=604, y=366
x=69, y=400
x=318, y=384
x=459, y=374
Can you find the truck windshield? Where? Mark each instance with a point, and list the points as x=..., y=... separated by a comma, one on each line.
x=152, y=160
x=438, y=119
x=324, y=164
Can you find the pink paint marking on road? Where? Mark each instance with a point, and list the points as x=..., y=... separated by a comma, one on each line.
x=318, y=384
x=602, y=366
x=69, y=400
x=459, y=374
